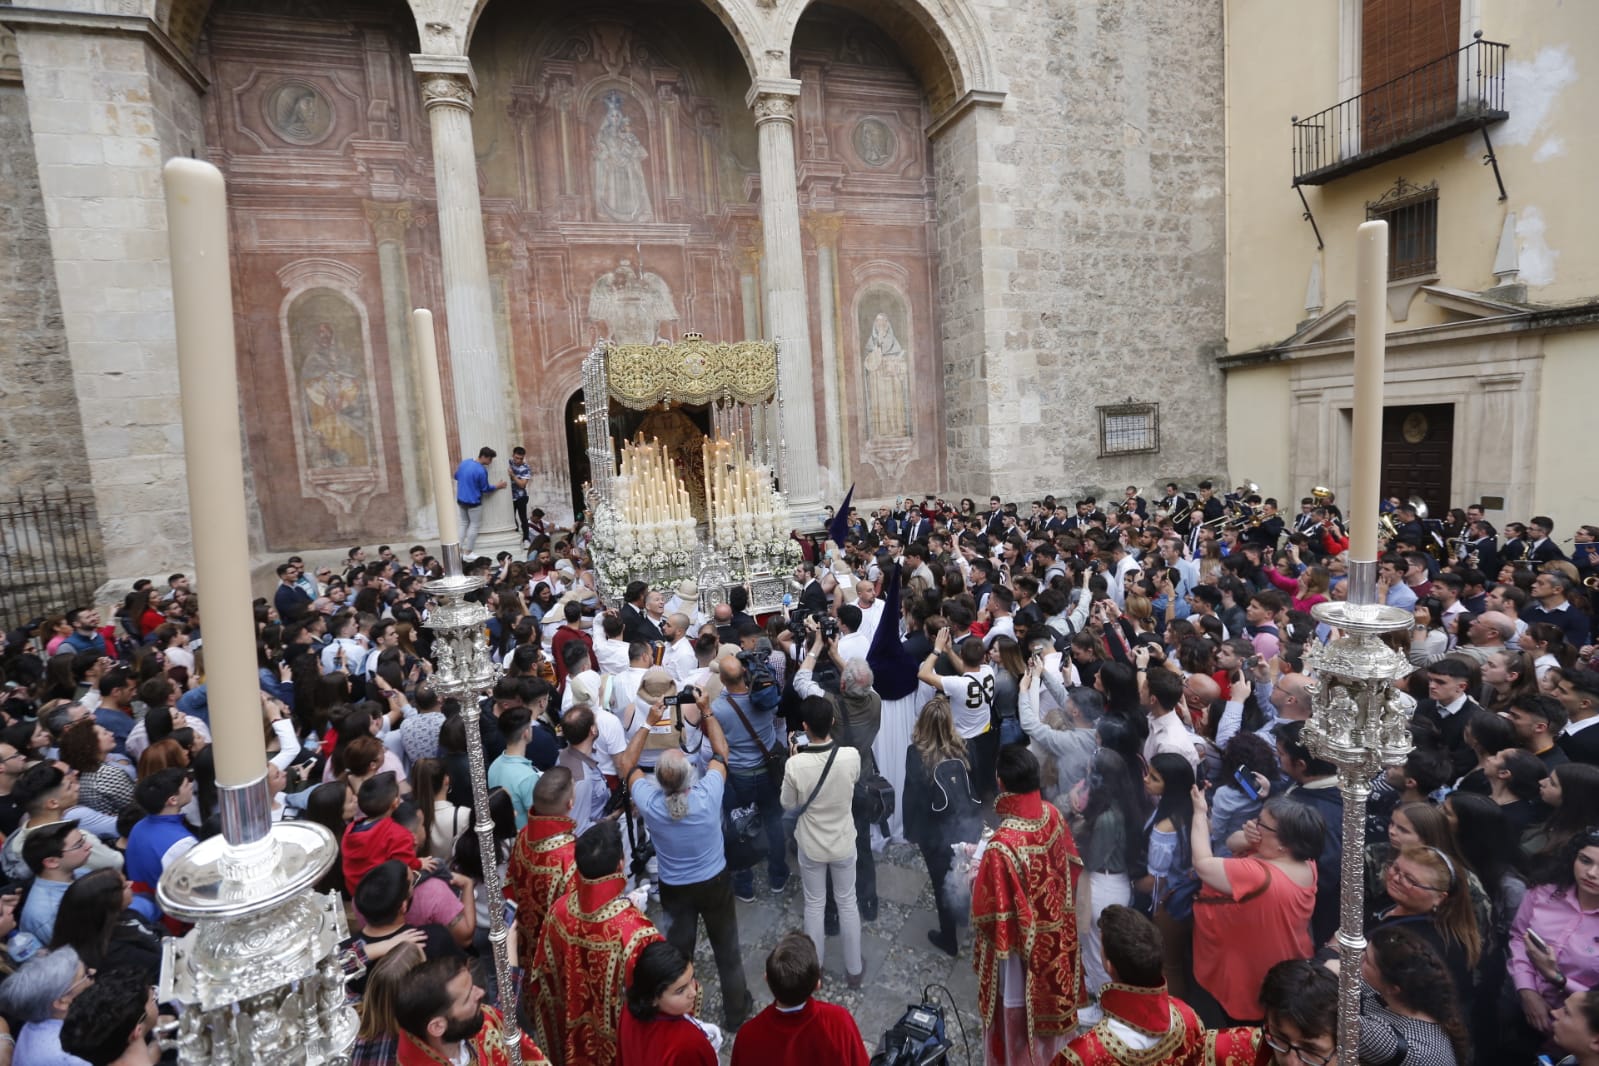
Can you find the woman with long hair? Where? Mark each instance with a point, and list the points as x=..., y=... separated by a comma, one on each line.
x=1424, y=824
x=1491, y=851
x=657, y=1024
x=1431, y=898
x=1429, y=641
x=103, y=786
x=1515, y=778
x=1486, y=733
x=1005, y=656
x=333, y=807
x=940, y=808
x=541, y=601
x=1111, y=816
x=1406, y=1011
x=139, y=616
x=1547, y=644
x=162, y=755
x=1170, y=881
x=1552, y=939
x=1304, y=591
x=1508, y=677
x=377, y=1041
x=443, y=822
x=327, y=694
x=1571, y=794
x=1087, y=654
x=97, y=921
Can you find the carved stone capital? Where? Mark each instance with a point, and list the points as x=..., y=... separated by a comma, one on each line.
x=388, y=219
x=824, y=227
x=446, y=90
x=774, y=107
x=447, y=81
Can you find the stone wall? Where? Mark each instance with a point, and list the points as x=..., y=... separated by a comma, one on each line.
x=40, y=435
x=1099, y=263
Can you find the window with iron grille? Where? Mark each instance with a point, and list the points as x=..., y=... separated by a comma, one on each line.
x=1129, y=428
x=1411, y=212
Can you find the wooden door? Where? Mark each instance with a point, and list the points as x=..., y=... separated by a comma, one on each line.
x=1406, y=37
x=1418, y=453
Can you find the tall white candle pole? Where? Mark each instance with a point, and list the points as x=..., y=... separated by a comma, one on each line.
x=1359, y=720
x=259, y=974
x=425, y=344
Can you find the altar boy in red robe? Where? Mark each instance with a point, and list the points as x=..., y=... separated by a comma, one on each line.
x=585, y=956
x=1139, y=1024
x=543, y=863
x=1024, y=916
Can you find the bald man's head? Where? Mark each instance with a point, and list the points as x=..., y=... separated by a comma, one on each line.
x=1291, y=697
x=731, y=672
x=1498, y=624
x=1199, y=691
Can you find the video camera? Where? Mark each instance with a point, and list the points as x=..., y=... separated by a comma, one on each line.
x=917, y=1039
x=802, y=635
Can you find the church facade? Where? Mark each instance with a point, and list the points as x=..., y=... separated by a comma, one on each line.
x=987, y=236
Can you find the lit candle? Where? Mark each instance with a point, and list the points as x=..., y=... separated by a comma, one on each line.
x=427, y=358
x=208, y=377
x=1371, y=300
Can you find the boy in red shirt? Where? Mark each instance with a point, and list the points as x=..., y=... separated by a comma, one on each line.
x=375, y=837
x=797, y=1030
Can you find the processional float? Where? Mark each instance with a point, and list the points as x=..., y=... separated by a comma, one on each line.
x=649, y=524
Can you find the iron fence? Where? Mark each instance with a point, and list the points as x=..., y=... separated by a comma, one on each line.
x=1462, y=91
x=49, y=553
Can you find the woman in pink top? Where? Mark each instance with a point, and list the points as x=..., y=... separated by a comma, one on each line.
x=1308, y=590
x=1253, y=910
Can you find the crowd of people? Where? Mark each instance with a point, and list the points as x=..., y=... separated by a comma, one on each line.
x=1090, y=723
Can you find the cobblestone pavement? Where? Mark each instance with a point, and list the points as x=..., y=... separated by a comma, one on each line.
x=899, y=961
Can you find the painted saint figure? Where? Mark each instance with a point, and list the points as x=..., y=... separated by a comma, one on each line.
x=619, y=189
x=887, y=382
x=335, y=409
x=631, y=306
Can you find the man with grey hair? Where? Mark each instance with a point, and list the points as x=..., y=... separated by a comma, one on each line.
x=1490, y=633
x=38, y=995
x=1072, y=747
x=683, y=812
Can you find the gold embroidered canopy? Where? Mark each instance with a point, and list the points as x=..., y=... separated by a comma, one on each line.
x=692, y=371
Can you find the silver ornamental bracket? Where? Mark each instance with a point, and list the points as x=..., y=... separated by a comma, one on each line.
x=1360, y=720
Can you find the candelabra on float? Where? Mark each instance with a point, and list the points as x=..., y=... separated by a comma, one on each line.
x=259, y=978
x=1360, y=722
x=463, y=667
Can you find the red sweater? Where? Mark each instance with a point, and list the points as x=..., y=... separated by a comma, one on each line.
x=816, y=1033
x=372, y=842
x=663, y=1041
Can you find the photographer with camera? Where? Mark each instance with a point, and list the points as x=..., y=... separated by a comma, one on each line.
x=755, y=757
x=683, y=811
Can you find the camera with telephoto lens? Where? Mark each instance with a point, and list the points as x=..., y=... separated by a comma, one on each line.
x=826, y=622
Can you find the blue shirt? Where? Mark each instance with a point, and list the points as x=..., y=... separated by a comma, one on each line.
x=39, y=910
x=516, y=775
x=689, y=849
x=521, y=470
x=743, y=753
x=471, y=483
x=39, y=1044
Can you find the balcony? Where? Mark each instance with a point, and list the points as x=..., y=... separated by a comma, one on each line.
x=1458, y=93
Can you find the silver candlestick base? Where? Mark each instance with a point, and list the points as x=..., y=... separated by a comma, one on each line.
x=259, y=975
x=1359, y=722
x=464, y=671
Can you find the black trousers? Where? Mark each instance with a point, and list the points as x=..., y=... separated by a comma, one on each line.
x=985, y=753
x=938, y=860
x=520, y=507
x=711, y=900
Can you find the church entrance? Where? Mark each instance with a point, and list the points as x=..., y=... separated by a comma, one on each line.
x=679, y=427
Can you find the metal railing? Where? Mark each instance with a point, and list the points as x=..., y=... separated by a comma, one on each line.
x=49, y=553
x=1459, y=92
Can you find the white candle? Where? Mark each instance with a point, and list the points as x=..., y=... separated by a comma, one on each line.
x=202, y=302
x=439, y=456
x=1371, y=301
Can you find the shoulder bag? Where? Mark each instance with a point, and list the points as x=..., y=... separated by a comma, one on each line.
x=873, y=798
x=791, y=818
x=776, y=758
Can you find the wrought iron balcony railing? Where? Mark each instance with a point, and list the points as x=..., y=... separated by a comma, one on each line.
x=1458, y=93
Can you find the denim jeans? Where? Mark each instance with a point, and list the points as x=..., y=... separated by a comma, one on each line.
x=471, y=525
x=757, y=788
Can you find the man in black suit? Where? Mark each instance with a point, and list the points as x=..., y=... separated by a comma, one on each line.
x=1449, y=708
x=1540, y=549
x=917, y=527
x=1210, y=507
x=1059, y=522
x=1306, y=520
x=1268, y=533
x=1409, y=528
x=1133, y=502
x=1484, y=544
x=994, y=521
x=636, y=625
x=1579, y=695
x=812, y=597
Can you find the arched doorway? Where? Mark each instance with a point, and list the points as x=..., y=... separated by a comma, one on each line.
x=577, y=443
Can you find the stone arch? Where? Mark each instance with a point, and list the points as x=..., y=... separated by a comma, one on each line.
x=942, y=40
x=737, y=18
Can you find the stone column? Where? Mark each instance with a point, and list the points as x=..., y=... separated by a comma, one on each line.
x=787, y=312
x=109, y=99
x=476, y=368
x=389, y=221
x=824, y=230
